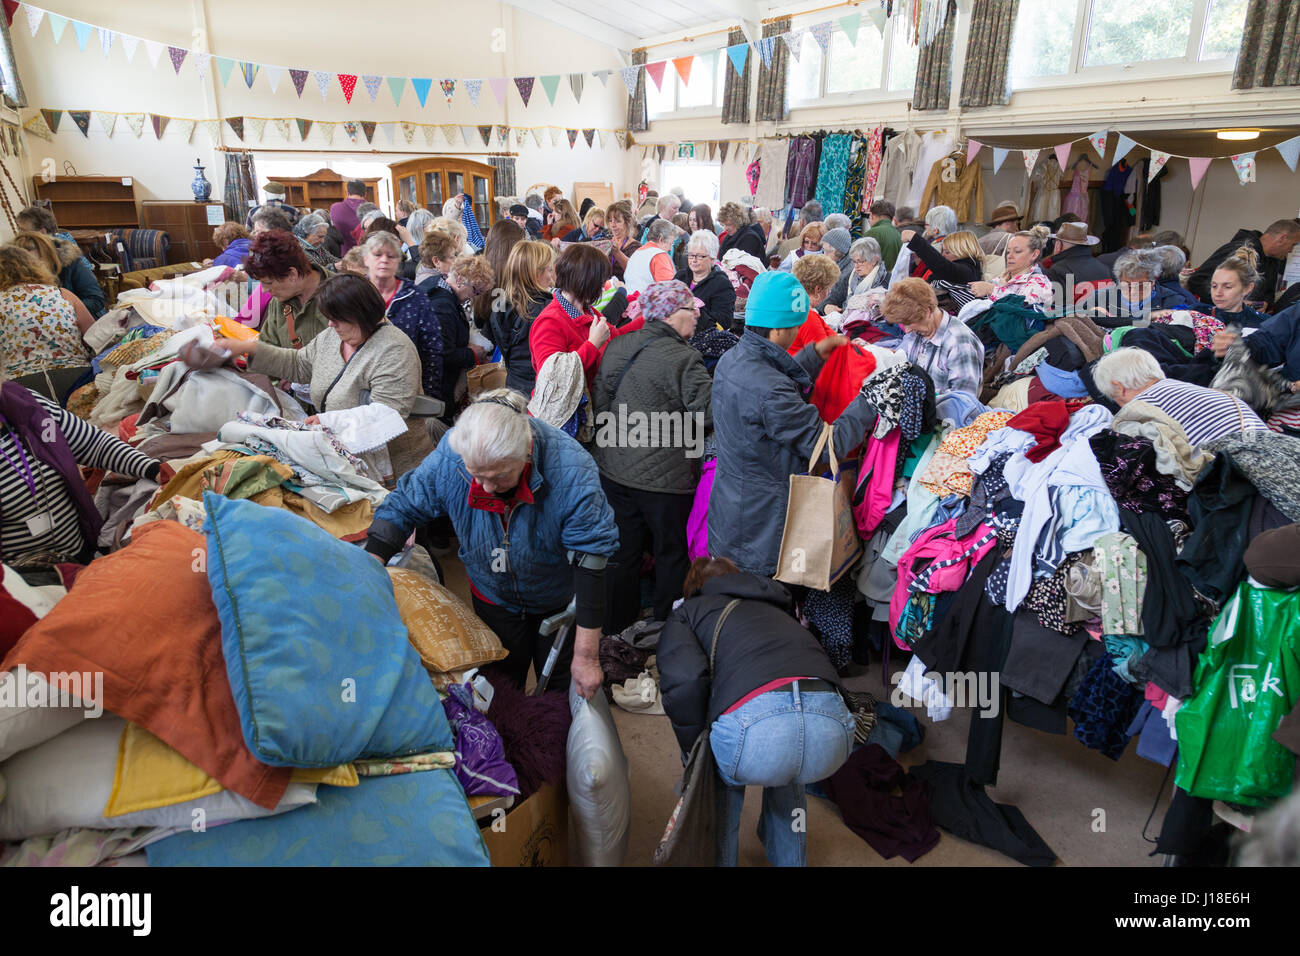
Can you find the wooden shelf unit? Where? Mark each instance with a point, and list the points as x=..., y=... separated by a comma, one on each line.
x=431, y=181
x=90, y=202
x=320, y=189
x=187, y=224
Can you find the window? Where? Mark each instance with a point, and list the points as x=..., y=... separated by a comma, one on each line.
x=874, y=62
x=700, y=182
x=703, y=92
x=1067, y=38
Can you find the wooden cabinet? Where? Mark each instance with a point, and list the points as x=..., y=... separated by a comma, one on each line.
x=321, y=189
x=431, y=181
x=188, y=225
x=90, y=202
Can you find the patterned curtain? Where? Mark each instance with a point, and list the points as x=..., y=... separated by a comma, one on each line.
x=505, y=177
x=1270, y=45
x=735, y=96
x=934, y=67
x=12, y=85
x=241, y=185
x=771, y=82
x=984, y=78
x=638, y=120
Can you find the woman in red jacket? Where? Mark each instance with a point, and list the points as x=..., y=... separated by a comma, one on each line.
x=569, y=323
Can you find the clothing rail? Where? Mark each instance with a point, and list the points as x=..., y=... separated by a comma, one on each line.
x=360, y=152
x=804, y=13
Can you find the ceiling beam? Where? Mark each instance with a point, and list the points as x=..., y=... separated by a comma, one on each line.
x=570, y=19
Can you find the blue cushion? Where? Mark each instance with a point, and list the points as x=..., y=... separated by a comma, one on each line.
x=413, y=819
x=316, y=652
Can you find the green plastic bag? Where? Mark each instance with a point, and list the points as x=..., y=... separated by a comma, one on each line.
x=1247, y=680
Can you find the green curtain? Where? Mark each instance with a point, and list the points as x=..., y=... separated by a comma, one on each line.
x=771, y=81
x=984, y=79
x=934, y=68
x=637, y=119
x=735, y=95
x=1270, y=45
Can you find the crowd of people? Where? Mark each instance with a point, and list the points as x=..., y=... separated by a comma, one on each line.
x=730, y=328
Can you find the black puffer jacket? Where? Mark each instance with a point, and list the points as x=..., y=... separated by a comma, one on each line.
x=718, y=295
x=747, y=239
x=665, y=375
x=760, y=642
x=508, y=331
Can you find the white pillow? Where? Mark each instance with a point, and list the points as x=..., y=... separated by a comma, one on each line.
x=21, y=726
x=66, y=782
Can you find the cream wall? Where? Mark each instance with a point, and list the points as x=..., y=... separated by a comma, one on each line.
x=488, y=39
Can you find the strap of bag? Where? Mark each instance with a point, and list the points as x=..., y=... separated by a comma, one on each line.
x=717, y=629
x=288, y=326
x=826, y=440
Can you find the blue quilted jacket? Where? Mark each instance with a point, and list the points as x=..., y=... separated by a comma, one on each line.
x=521, y=563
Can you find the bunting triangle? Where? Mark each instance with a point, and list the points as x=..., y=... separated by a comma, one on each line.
x=57, y=25
x=213, y=129
x=304, y=127
x=1290, y=150
x=368, y=127
x=537, y=136
x=250, y=73
x=713, y=149
x=877, y=16
x=621, y=136
x=82, y=30
x=503, y=135
x=371, y=84
x=656, y=72
x=794, y=42
x=52, y=118
x=449, y=133
x=467, y=134
x=34, y=17
x=82, y=119
x=1098, y=141
x=602, y=75
x=200, y=61
x=408, y=131
x=555, y=135
x=822, y=34
x=348, y=83
x=498, y=85
x=765, y=47
x=683, y=66
x=327, y=131
x=551, y=84
x=850, y=25
x=154, y=49
x=486, y=133
x=722, y=149
x=108, y=121
x=1122, y=148
x=472, y=89
x=136, y=122
x=1158, y=161
x=524, y=84
x=575, y=85
x=1031, y=158
x=629, y=74
x=998, y=156
x=390, y=132
x=448, y=88
x=258, y=126
x=37, y=126
x=573, y=136
x=973, y=147
x=421, y=85
x=428, y=135
x=1199, y=164
x=1244, y=164
x=601, y=134
x=589, y=135
x=106, y=38
x=129, y=45
x=282, y=127
x=738, y=53
x=350, y=128
x=661, y=150
x=1063, y=154
x=322, y=83
x=225, y=66
x=177, y=57
x=236, y=123
x=273, y=76
x=397, y=86
x=299, y=79
x=159, y=124
x=185, y=128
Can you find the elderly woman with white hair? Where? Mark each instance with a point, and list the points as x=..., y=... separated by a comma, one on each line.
x=1137, y=272
x=653, y=262
x=534, y=526
x=1169, y=292
x=310, y=232
x=406, y=306
x=867, y=272
x=669, y=206
x=411, y=233
x=1206, y=414
x=939, y=222
x=707, y=281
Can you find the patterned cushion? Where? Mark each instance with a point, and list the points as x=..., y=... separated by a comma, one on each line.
x=315, y=649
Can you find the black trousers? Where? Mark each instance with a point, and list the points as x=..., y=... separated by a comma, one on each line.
x=519, y=634
x=645, y=517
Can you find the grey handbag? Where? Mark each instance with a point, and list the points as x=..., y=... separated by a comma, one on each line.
x=688, y=839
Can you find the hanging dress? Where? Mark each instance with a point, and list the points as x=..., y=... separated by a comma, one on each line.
x=833, y=172
x=1077, y=199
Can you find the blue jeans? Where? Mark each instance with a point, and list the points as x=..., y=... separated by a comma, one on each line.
x=779, y=741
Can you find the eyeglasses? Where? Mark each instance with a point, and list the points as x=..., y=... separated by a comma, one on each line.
x=698, y=255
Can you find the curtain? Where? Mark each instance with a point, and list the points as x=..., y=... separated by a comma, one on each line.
x=934, y=67
x=10, y=83
x=771, y=81
x=241, y=186
x=637, y=119
x=1270, y=45
x=984, y=79
x=505, y=177
x=735, y=97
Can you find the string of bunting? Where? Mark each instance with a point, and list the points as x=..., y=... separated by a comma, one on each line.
x=46, y=123
x=919, y=29
x=1242, y=163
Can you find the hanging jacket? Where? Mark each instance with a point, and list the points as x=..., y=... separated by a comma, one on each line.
x=876, y=482
x=962, y=189
x=760, y=642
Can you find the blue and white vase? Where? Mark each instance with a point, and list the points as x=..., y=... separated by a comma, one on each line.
x=201, y=187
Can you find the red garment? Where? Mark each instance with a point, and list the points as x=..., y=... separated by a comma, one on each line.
x=126, y=427
x=15, y=619
x=483, y=501
x=841, y=379
x=770, y=685
x=1045, y=421
x=814, y=329
x=553, y=331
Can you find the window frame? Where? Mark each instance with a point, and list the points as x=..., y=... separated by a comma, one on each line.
x=670, y=74
x=878, y=94
x=1189, y=64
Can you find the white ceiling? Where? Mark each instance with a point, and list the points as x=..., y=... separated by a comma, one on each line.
x=627, y=24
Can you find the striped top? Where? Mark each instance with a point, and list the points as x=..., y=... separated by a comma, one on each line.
x=1205, y=413
x=90, y=446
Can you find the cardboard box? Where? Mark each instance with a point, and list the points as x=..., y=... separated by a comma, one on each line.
x=532, y=833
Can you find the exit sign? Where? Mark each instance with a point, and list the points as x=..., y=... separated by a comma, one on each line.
x=685, y=150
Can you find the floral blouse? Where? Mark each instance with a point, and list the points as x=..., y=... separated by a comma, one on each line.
x=38, y=332
x=1033, y=285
